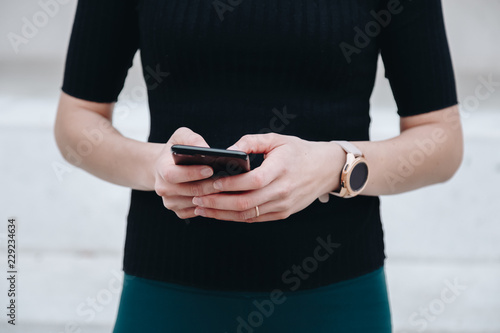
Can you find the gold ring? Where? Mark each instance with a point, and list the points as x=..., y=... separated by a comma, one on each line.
x=257, y=211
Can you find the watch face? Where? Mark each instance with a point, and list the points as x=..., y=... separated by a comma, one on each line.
x=359, y=175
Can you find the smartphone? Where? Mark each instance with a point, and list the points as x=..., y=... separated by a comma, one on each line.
x=224, y=162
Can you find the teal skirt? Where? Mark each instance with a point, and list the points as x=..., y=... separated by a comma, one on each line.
x=356, y=305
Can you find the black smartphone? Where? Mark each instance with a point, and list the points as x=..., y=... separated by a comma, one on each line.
x=224, y=162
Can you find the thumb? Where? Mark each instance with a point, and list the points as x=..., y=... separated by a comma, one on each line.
x=185, y=136
x=257, y=143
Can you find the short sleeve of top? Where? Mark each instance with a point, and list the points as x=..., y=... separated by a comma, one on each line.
x=103, y=42
x=416, y=57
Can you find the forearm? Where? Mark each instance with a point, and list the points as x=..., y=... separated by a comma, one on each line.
x=88, y=140
x=423, y=155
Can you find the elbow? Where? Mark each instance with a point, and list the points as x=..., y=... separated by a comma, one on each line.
x=75, y=131
x=58, y=135
x=453, y=164
x=70, y=152
x=453, y=160
x=60, y=138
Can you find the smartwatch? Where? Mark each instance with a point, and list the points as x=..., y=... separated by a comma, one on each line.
x=354, y=174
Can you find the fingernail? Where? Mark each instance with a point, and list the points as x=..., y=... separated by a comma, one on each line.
x=199, y=211
x=197, y=201
x=206, y=172
x=218, y=185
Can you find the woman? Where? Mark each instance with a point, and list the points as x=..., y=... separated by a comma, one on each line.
x=258, y=252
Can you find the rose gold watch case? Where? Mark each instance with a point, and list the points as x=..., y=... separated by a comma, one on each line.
x=346, y=191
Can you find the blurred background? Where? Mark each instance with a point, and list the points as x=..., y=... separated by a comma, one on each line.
x=442, y=242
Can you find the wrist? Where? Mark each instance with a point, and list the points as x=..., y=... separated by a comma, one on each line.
x=354, y=174
x=335, y=159
x=146, y=175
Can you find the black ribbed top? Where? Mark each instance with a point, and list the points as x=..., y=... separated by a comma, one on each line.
x=295, y=67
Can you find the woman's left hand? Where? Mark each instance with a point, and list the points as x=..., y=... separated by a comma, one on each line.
x=294, y=173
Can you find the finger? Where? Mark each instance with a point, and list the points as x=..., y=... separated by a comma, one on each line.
x=245, y=200
x=266, y=213
x=257, y=178
x=185, y=136
x=193, y=189
x=258, y=143
x=176, y=203
x=226, y=215
x=185, y=213
x=176, y=174
x=274, y=216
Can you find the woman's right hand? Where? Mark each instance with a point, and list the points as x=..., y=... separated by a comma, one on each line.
x=178, y=184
